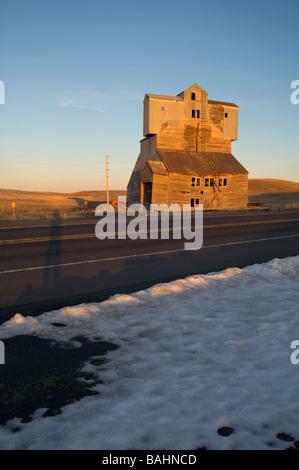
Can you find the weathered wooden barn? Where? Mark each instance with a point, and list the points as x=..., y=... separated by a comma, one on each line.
x=185, y=156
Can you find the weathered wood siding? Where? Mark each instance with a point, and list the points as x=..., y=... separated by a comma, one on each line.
x=230, y=126
x=160, y=189
x=192, y=123
x=176, y=188
x=134, y=185
x=235, y=194
x=231, y=196
x=148, y=147
x=147, y=175
x=159, y=111
x=193, y=135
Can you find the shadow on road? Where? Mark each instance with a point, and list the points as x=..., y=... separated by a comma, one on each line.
x=51, y=275
x=60, y=286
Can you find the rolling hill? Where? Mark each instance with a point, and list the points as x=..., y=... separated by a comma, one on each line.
x=273, y=193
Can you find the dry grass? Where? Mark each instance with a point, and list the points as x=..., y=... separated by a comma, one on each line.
x=47, y=205
x=274, y=193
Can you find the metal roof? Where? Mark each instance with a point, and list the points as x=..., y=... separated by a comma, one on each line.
x=222, y=103
x=201, y=163
x=157, y=167
x=179, y=98
x=164, y=97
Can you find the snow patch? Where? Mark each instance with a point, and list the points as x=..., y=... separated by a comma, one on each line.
x=195, y=355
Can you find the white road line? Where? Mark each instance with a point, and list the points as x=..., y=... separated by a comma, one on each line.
x=142, y=255
x=112, y=235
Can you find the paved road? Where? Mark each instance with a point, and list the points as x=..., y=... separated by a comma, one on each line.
x=46, y=266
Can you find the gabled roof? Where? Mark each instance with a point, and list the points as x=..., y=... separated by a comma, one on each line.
x=164, y=97
x=156, y=167
x=194, y=87
x=222, y=103
x=179, y=97
x=201, y=163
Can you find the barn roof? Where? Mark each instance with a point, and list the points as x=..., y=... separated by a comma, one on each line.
x=157, y=167
x=222, y=103
x=164, y=97
x=201, y=163
x=179, y=98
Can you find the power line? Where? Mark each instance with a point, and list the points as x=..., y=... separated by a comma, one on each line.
x=43, y=151
x=33, y=157
x=52, y=171
x=27, y=163
x=73, y=154
x=41, y=160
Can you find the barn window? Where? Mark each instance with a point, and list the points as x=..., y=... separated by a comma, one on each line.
x=193, y=113
x=226, y=115
x=193, y=96
x=207, y=182
x=212, y=182
x=224, y=181
x=220, y=181
x=197, y=113
x=197, y=202
x=192, y=181
x=198, y=182
x=192, y=202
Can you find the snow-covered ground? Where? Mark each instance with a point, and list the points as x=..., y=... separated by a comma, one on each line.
x=195, y=355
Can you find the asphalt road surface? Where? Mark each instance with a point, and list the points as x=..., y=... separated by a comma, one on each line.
x=46, y=266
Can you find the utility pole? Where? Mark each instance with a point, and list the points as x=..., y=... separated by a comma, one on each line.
x=107, y=179
x=13, y=205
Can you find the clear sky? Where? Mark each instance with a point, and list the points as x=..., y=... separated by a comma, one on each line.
x=76, y=72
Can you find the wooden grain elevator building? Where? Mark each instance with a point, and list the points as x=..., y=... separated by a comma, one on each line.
x=185, y=155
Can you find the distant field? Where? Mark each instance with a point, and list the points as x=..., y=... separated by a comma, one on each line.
x=40, y=205
x=273, y=193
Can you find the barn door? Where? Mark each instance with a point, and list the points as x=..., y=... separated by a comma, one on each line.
x=147, y=194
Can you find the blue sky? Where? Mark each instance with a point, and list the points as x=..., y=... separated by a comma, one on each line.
x=76, y=72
